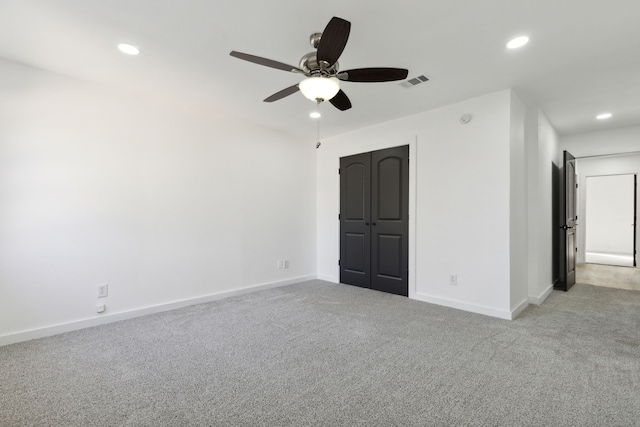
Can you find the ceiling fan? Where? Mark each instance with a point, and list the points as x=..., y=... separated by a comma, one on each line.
x=322, y=69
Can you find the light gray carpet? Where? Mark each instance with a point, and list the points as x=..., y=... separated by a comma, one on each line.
x=334, y=355
x=610, y=276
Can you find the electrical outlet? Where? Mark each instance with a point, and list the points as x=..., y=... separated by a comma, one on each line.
x=100, y=308
x=103, y=290
x=453, y=279
x=280, y=264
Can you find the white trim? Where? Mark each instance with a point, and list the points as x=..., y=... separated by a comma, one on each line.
x=116, y=317
x=519, y=308
x=413, y=193
x=622, y=260
x=479, y=309
x=543, y=296
x=327, y=278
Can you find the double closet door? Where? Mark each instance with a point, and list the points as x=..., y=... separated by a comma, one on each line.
x=374, y=220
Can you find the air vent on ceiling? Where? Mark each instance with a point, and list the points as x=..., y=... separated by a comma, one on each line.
x=414, y=81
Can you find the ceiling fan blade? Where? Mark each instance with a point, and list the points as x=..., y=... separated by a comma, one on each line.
x=373, y=75
x=266, y=62
x=284, y=92
x=341, y=101
x=333, y=41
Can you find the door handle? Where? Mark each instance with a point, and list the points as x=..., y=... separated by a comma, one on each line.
x=565, y=228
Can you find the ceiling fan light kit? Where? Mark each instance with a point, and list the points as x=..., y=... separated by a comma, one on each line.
x=319, y=89
x=322, y=69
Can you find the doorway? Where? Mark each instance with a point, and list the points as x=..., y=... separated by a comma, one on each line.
x=610, y=223
x=606, y=193
x=374, y=220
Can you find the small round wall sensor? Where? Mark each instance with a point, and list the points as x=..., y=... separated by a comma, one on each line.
x=466, y=118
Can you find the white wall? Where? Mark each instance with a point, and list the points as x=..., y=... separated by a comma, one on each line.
x=542, y=211
x=532, y=153
x=611, y=141
x=462, y=201
x=518, y=203
x=541, y=146
x=163, y=203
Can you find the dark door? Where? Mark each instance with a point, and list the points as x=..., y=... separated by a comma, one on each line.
x=390, y=220
x=568, y=224
x=355, y=220
x=374, y=220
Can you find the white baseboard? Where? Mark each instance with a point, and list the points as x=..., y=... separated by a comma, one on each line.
x=543, y=296
x=623, y=260
x=326, y=278
x=519, y=308
x=116, y=317
x=479, y=309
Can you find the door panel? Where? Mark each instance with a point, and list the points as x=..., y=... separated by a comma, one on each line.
x=390, y=256
x=355, y=253
x=389, y=188
x=355, y=232
x=390, y=220
x=356, y=201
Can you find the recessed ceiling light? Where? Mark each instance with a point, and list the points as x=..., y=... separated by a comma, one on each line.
x=518, y=42
x=315, y=115
x=129, y=49
x=603, y=116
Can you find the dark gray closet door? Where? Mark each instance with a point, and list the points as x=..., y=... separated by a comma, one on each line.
x=355, y=213
x=390, y=220
x=374, y=220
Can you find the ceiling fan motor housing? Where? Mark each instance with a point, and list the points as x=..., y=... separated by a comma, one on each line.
x=310, y=64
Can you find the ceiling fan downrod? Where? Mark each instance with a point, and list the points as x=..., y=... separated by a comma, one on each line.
x=319, y=116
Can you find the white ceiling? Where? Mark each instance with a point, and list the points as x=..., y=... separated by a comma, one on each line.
x=583, y=57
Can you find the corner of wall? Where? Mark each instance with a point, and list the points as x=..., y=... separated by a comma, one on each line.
x=518, y=196
x=540, y=298
x=519, y=308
